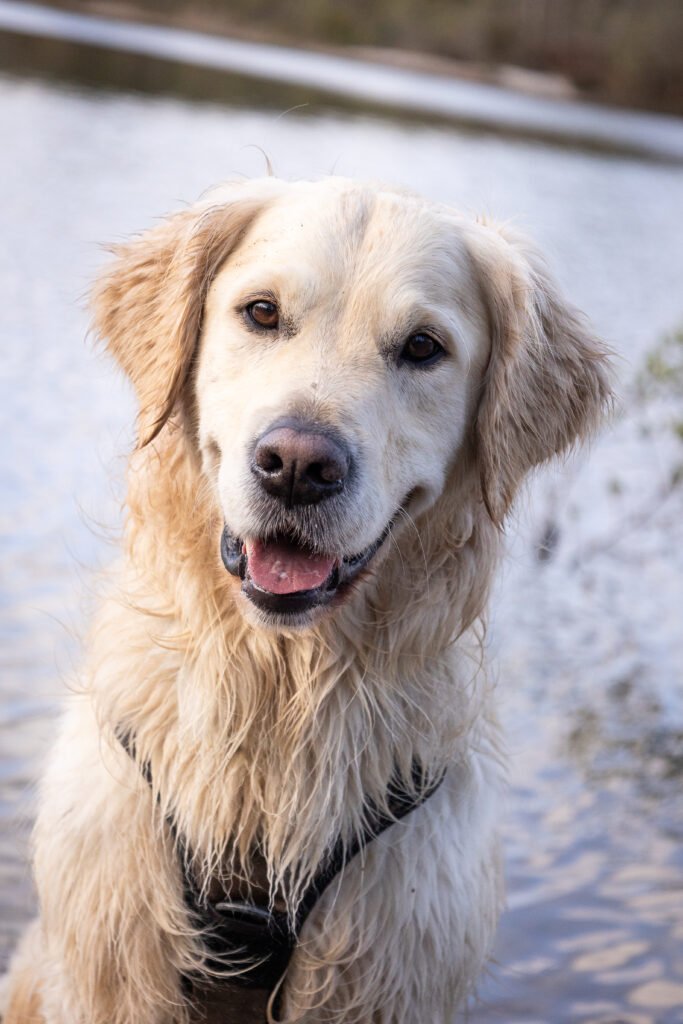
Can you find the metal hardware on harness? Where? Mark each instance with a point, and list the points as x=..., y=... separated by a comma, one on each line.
x=241, y=934
x=259, y=941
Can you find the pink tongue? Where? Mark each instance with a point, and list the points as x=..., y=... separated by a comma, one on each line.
x=284, y=569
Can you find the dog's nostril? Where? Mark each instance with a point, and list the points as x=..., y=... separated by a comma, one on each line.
x=268, y=460
x=325, y=473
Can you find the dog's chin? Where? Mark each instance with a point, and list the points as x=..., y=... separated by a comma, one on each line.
x=274, y=573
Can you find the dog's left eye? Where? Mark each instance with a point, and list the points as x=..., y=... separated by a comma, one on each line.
x=421, y=349
x=263, y=314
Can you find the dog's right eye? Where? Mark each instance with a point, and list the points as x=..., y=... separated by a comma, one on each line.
x=421, y=349
x=263, y=314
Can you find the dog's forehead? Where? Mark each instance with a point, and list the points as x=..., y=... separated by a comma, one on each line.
x=332, y=235
x=319, y=211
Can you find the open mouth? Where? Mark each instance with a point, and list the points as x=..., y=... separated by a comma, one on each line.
x=287, y=578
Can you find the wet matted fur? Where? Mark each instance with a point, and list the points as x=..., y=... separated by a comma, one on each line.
x=270, y=732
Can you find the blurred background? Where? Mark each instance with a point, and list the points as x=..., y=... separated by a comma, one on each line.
x=563, y=116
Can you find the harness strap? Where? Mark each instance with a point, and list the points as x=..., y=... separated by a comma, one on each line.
x=262, y=939
x=400, y=803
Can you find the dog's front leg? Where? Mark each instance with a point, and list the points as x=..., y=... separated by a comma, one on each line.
x=113, y=935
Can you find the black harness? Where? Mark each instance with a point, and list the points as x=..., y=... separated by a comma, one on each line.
x=259, y=940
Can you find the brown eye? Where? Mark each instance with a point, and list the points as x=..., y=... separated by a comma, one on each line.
x=264, y=314
x=421, y=349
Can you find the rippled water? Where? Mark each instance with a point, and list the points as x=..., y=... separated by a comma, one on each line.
x=585, y=629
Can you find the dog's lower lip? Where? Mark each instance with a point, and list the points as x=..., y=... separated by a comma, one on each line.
x=235, y=559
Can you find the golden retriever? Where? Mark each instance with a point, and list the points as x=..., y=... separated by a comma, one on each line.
x=341, y=387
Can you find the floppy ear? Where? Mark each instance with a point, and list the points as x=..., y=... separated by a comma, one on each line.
x=148, y=303
x=547, y=382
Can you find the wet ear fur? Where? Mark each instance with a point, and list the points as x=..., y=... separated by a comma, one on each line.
x=547, y=383
x=148, y=303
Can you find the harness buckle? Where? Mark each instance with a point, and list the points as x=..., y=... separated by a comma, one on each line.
x=250, y=922
x=261, y=939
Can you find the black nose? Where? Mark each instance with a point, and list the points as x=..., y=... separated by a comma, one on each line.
x=301, y=463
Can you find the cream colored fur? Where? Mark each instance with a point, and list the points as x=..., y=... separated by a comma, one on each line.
x=277, y=737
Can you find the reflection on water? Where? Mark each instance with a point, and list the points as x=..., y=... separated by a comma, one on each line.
x=587, y=638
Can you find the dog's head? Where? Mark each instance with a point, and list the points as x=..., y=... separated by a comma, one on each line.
x=335, y=350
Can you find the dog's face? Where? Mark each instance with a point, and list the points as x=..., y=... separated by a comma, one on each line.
x=343, y=346
x=340, y=345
